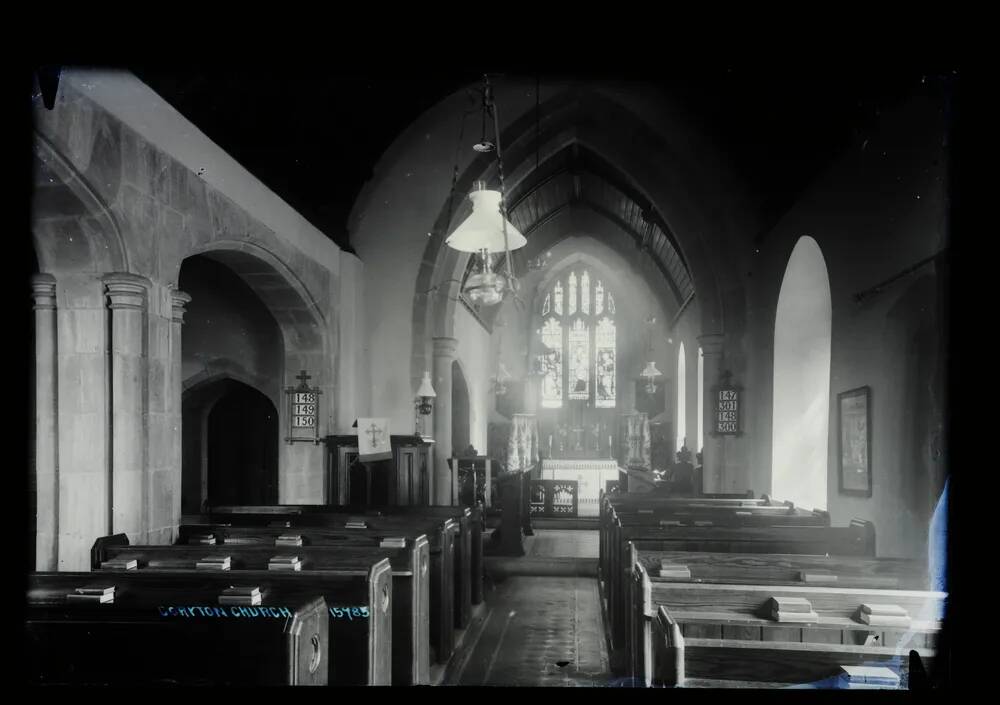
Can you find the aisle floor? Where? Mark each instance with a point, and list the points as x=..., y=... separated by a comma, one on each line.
x=541, y=631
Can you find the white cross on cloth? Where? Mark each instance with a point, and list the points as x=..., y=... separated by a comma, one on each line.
x=374, y=440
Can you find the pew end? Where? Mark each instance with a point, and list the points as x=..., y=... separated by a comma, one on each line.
x=99, y=551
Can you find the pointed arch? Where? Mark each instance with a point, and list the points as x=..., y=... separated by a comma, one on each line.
x=681, y=396
x=801, y=409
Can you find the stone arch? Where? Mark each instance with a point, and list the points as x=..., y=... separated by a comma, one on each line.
x=673, y=184
x=73, y=229
x=306, y=344
x=200, y=451
x=277, y=285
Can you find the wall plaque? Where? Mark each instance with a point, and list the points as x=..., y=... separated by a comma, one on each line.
x=727, y=418
x=303, y=411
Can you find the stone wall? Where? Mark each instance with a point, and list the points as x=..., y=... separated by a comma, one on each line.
x=127, y=187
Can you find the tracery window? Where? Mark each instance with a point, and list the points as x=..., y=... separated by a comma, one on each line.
x=580, y=330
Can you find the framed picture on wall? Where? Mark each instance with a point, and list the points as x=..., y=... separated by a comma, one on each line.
x=854, y=441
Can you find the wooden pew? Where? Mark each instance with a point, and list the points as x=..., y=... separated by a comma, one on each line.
x=410, y=578
x=718, y=632
x=857, y=539
x=468, y=544
x=442, y=535
x=762, y=569
x=132, y=642
x=365, y=656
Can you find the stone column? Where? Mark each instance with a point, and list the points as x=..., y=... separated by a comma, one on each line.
x=43, y=288
x=127, y=299
x=714, y=458
x=178, y=299
x=444, y=356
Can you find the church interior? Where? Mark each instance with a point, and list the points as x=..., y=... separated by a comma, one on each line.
x=489, y=378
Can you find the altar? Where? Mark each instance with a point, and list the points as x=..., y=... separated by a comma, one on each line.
x=591, y=475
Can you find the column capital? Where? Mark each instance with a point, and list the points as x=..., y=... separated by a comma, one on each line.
x=445, y=347
x=43, y=290
x=178, y=300
x=126, y=290
x=711, y=343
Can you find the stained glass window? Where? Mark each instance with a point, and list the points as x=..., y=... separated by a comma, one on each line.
x=586, y=341
x=552, y=366
x=579, y=360
x=604, y=364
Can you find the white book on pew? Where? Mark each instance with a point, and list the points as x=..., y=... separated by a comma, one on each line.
x=356, y=523
x=674, y=571
x=791, y=609
x=882, y=609
x=392, y=542
x=288, y=540
x=801, y=617
x=203, y=539
x=120, y=564
x=884, y=615
x=109, y=590
x=870, y=676
x=885, y=620
x=790, y=604
x=284, y=563
x=817, y=576
x=249, y=597
x=99, y=599
x=214, y=563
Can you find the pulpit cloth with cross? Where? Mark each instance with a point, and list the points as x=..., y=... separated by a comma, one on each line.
x=374, y=441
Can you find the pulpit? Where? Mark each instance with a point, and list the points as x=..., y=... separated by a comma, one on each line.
x=403, y=480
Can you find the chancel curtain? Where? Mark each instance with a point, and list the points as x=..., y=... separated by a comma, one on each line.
x=637, y=440
x=522, y=449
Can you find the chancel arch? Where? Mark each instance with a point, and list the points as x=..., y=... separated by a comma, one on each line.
x=802, y=345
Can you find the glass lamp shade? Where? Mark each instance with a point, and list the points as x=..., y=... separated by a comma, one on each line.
x=485, y=288
x=650, y=373
x=483, y=229
x=426, y=390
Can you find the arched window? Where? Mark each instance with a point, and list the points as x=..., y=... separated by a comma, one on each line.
x=801, y=415
x=578, y=324
x=701, y=399
x=681, y=397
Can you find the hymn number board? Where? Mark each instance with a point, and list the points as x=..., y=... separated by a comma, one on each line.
x=303, y=411
x=728, y=411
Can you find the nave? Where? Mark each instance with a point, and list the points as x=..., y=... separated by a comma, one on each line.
x=500, y=379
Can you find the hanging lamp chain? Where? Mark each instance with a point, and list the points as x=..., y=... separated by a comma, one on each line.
x=491, y=107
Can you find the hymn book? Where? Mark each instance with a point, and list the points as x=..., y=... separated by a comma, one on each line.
x=791, y=609
x=120, y=564
x=884, y=615
x=214, y=563
x=288, y=540
x=674, y=571
x=284, y=563
x=100, y=595
x=248, y=596
x=392, y=543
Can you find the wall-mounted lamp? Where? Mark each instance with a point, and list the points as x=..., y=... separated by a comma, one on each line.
x=423, y=402
x=425, y=394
